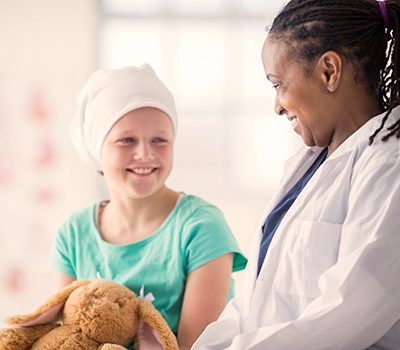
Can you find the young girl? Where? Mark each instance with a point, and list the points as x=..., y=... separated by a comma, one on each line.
x=169, y=246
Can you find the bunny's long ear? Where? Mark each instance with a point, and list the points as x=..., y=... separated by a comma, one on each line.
x=49, y=311
x=153, y=331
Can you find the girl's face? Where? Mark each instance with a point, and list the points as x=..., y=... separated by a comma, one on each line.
x=300, y=96
x=137, y=154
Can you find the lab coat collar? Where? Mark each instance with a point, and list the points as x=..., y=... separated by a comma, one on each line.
x=298, y=164
x=364, y=132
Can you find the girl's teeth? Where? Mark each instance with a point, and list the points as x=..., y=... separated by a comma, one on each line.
x=142, y=171
x=294, y=122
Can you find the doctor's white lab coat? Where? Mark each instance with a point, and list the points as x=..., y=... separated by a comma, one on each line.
x=331, y=276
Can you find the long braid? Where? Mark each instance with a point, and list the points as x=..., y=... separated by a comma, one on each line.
x=392, y=78
x=355, y=29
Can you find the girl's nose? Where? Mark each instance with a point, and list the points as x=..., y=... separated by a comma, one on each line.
x=143, y=152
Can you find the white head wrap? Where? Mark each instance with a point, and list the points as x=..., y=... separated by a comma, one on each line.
x=107, y=96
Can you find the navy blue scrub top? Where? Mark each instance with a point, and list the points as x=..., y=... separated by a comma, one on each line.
x=277, y=214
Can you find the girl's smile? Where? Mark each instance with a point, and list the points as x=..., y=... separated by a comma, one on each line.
x=142, y=171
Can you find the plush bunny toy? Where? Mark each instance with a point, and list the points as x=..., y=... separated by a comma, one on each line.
x=101, y=315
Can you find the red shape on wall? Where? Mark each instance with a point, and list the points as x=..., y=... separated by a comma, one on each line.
x=46, y=154
x=45, y=195
x=5, y=176
x=38, y=110
x=15, y=279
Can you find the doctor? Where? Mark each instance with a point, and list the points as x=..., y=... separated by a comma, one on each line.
x=324, y=272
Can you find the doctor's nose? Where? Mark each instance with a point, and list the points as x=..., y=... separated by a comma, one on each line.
x=278, y=107
x=143, y=152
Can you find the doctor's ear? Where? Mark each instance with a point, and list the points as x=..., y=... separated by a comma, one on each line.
x=330, y=66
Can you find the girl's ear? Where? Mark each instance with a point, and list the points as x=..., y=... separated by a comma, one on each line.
x=153, y=331
x=48, y=312
x=330, y=66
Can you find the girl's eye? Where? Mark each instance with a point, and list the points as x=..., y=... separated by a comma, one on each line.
x=159, y=140
x=127, y=140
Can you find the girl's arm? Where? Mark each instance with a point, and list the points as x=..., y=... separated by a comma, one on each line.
x=63, y=279
x=206, y=294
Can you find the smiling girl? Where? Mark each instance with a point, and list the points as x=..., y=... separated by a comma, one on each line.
x=172, y=247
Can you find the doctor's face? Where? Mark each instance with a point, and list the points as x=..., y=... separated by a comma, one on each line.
x=299, y=95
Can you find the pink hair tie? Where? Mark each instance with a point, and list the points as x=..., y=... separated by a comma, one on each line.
x=383, y=9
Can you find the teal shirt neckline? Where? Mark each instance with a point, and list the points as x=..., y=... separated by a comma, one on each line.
x=143, y=241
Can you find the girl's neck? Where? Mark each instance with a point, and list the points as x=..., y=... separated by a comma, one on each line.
x=129, y=220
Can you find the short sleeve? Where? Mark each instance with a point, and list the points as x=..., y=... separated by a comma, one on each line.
x=62, y=255
x=207, y=236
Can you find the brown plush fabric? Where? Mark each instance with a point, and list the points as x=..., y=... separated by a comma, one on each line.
x=96, y=315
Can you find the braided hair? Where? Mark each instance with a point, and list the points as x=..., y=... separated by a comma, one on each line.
x=356, y=30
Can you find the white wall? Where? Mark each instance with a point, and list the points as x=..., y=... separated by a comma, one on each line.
x=47, y=51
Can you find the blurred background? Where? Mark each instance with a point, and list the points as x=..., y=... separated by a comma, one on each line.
x=230, y=149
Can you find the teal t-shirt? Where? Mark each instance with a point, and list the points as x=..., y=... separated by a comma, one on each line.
x=193, y=234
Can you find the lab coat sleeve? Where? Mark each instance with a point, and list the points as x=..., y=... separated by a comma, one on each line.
x=360, y=294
